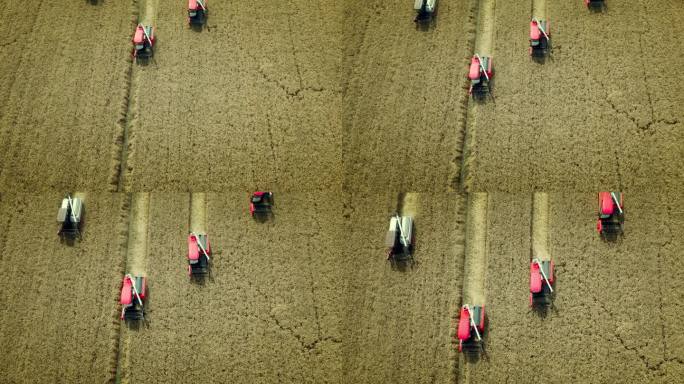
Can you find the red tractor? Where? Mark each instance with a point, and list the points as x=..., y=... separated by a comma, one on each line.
x=199, y=252
x=471, y=325
x=595, y=4
x=611, y=215
x=480, y=75
x=197, y=12
x=143, y=42
x=133, y=292
x=541, y=283
x=261, y=204
x=540, y=38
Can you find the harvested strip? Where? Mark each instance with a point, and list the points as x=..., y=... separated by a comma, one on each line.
x=540, y=225
x=198, y=215
x=476, y=250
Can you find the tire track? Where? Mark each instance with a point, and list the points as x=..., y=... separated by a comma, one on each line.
x=136, y=264
x=144, y=11
x=484, y=46
x=475, y=269
x=540, y=227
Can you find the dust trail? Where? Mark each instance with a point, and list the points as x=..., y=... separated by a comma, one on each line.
x=137, y=237
x=198, y=213
x=540, y=226
x=475, y=250
x=410, y=204
x=539, y=9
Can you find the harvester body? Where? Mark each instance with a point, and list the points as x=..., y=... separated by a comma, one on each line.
x=261, y=204
x=611, y=215
x=595, y=4
x=540, y=37
x=143, y=42
x=199, y=254
x=399, y=240
x=425, y=10
x=480, y=74
x=541, y=283
x=471, y=325
x=133, y=295
x=70, y=217
x=197, y=12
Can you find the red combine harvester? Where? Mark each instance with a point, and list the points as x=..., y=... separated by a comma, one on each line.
x=471, y=324
x=611, y=215
x=133, y=292
x=541, y=283
x=399, y=241
x=595, y=4
x=480, y=75
x=143, y=42
x=199, y=251
x=197, y=12
x=540, y=37
x=261, y=204
x=70, y=218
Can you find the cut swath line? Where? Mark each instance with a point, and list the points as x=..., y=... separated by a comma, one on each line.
x=483, y=46
x=476, y=250
x=540, y=227
x=198, y=213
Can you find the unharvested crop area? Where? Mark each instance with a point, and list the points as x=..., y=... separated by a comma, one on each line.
x=249, y=102
x=59, y=319
x=604, y=112
x=63, y=77
x=349, y=112
x=398, y=322
x=269, y=312
x=615, y=317
x=404, y=96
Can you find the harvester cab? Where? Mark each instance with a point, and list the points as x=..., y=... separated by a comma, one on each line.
x=595, y=4
x=425, y=10
x=133, y=292
x=199, y=252
x=197, y=12
x=143, y=42
x=611, y=214
x=541, y=283
x=540, y=37
x=70, y=217
x=261, y=204
x=399, y=240
x=471, y=324
x=480, y=75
